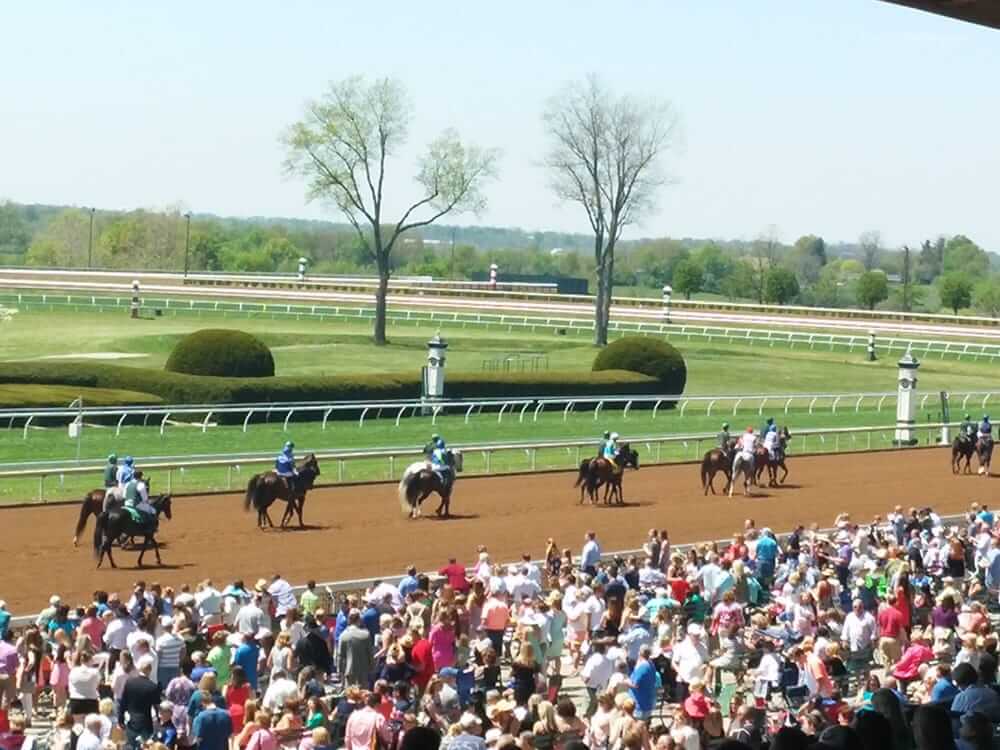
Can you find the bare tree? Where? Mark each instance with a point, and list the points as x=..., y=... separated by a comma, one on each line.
x=764, y=253
x=344, y=147
x=604, y=154
x=871, y=246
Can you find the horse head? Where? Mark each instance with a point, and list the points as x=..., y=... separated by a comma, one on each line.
x=164, y=505
x=629, y=456
x=309, y=470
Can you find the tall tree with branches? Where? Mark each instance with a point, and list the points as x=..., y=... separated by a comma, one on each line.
x=605, y=153
x=344, y=148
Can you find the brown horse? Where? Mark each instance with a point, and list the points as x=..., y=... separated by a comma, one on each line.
x=984, y=447
x=762, y=460
x=92, y=505
x=264, y=489
x=962, y=449
x=595, y=472
x=717, y=460
x=420, y=480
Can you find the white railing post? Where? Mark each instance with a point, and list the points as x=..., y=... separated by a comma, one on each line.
x=361, y=420
x=520, y=417
x=163, y=425
x=568, y=409
x=399, y=414
x=597, y=410
x=118, y=427
x=628, y=405
x=789, y=401
x=659, y=401
x=326, y=415
x=204, y=424
x=736, y=406
x=284, y=426
x=538, y=409
x=468, y=412
x=760, y=409
x=27, y=424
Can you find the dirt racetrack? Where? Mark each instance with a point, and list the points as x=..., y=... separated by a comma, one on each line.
x=359, y=531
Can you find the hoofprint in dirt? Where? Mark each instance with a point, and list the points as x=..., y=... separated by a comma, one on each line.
x=358, y=531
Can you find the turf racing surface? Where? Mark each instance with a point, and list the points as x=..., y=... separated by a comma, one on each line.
x=360, y=531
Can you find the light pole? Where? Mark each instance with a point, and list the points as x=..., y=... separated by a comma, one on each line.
x=90, y=240
x=187, y=243
x=668, y=292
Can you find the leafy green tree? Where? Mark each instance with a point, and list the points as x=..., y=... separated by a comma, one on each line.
x=739, y=282
x=962, y=255
x=14, y=233
x=872, y=288
x=62, y=242
x=955, y=290
x=687, y=278
x=780, y=285
x=344, y=148
x=715, y=264
x=809, y=257
x=826, y=292
x=851, y=267
x=986, y=297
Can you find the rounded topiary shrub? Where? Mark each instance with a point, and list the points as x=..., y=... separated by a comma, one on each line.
x=223, y=353
x=648, y=356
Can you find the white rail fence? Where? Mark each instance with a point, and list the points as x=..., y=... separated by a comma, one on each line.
x=521, y=409
x=766, y=335
x=558, y=454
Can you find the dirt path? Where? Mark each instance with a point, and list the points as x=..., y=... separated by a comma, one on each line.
x=359, y=531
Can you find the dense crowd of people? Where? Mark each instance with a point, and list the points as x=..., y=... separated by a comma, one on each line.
x=873, y=635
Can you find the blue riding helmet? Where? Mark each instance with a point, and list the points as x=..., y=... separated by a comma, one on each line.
x=440, y=442
x=128, y=460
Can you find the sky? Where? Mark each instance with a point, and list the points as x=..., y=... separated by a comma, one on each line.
x=831, y=117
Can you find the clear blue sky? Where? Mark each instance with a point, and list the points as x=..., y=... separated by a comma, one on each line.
x=831, y=117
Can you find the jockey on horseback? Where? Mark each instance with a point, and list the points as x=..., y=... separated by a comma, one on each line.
x=111, y=472
x=125, y=473
x=747, y=444
x=137, y=497
x=768, y=427
x=440, y=464
x=604, y=442
x=284, y=465
x=967, y=430
x=724, y=438
x=610, y=452
x=429, y=447
x=985, y=433
x=771, y=442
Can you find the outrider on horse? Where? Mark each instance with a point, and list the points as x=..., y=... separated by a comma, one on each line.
x=604, y=471
x=264, y=489
x=125, y=522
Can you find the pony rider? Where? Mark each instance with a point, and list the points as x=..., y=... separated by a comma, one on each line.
x=284, y=465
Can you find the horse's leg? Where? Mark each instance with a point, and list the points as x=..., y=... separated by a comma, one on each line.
x=156, y=549
x=300, y=505
x=142, y=550
x=111, y=559
x=784, y=469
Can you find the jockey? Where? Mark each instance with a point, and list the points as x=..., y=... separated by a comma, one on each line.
x=771, y=443
x=111, y=472
x=429, y=447
x=603, y=443
x=747, y=444
x=284, y=464
x=769, y=426
x=724, y=438
x=125, y=473
x=967, y=430
x=986, y=429
x=137, y=495
x=440, y=464
x=610, y=452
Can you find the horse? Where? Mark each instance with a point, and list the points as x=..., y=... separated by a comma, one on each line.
x=96, y=502
x=595, y=472
x=746, y=466
x=962, y=448
x=264, y=489
x=419, y=481
x=763, y=461
x=118, y=522
x=984, y=449
x=717, y=460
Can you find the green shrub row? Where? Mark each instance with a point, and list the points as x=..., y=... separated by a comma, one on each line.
x=177, y=388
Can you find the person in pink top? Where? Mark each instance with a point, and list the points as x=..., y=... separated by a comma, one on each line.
x=93, y=627
x=59, y=677
x=494, y=619
x=363, y=726
x=442, y=640
x=919, y=652
x=264, y=738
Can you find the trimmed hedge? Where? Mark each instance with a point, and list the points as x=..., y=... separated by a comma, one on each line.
x=177, y=388
x=221, y=352
x=649, y=356
x=20, y=396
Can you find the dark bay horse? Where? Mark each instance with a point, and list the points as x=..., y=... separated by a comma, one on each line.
x=717, y=460
x=595, y=472
x=984, y=447
x=118, y=522
x=763, y=461
x=94, y=503
x=419, y=481
x=962, y=449
x=264, y=489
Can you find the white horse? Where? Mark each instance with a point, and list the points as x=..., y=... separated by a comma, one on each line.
x=745, y=465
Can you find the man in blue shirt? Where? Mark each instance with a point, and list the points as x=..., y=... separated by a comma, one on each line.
x=591, y=554
x=409, y=583
x=767, y=555
x=246, y=656
x=973, y=696
x=4, y=620
x=642, y=685
x=212, y=727
x=986, y=516
x=944, y=690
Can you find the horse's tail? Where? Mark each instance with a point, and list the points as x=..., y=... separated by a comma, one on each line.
x=404, y=491
x=81, y=523
x=705, y=463
x=251, y=492
x=100, y=528
x=584, y=471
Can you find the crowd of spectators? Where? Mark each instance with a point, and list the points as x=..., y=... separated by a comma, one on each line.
x=870, y=635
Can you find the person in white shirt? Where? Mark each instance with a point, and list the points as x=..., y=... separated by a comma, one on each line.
x=651, y=577
x=690, y=657
x=531, y=571
x=283, y=595
x=525, y=586
x=133, y=640
x=710, y=576
x=118, y=631
x=280, y=690
x=595, y=674
x=90, y=738
x=859, y=633
x=208, y=601
x=250, y=618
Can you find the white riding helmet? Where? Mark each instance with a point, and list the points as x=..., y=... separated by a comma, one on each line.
x=614, y=435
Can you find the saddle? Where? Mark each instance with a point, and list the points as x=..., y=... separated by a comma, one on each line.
x=140, y=518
